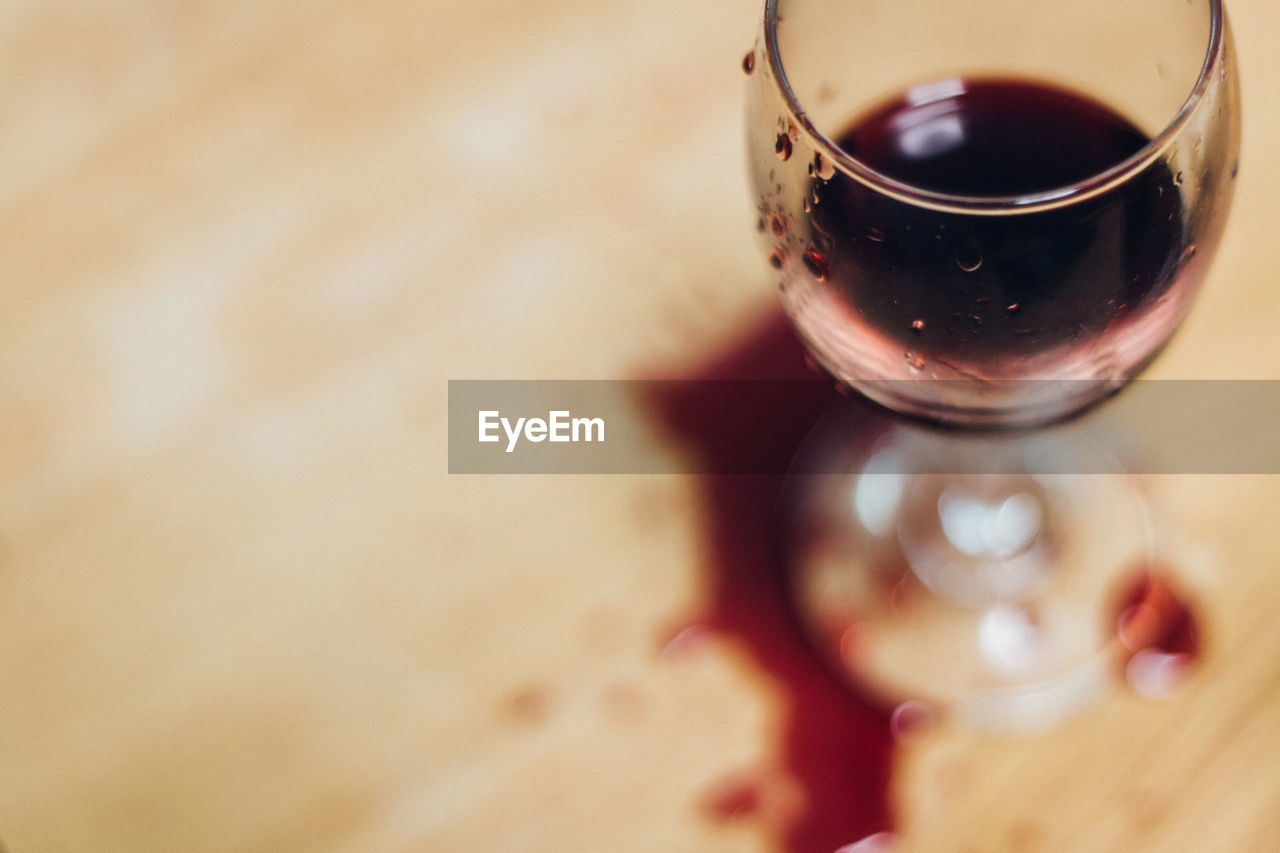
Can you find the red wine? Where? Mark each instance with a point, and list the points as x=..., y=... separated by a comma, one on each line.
x=897, y=290
x=992, y=138
x=833, y=743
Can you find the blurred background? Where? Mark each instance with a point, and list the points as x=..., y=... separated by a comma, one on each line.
x=244, y=607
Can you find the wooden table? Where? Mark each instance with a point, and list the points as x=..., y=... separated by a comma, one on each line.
x=242, y=604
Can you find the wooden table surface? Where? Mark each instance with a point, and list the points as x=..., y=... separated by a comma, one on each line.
x=242, y=604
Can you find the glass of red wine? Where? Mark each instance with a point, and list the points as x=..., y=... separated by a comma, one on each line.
x=987, y=217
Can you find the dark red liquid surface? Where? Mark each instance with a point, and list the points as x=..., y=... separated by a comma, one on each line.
x=992, y=138
x=980, y=290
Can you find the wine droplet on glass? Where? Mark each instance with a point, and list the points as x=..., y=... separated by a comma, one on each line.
x=816, y=263
x=782, y=147
x=969, y=260
x=822, y=167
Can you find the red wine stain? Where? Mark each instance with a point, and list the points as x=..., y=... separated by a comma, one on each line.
x=734, y=799
x=1026, y=836
x=529, y=705
x=1153, y=614
x=766, y=793
x=835, y=746
x=1159, y=634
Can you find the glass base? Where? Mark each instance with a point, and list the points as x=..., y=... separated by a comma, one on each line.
x=979, y=574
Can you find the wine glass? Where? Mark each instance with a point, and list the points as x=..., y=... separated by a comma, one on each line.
x=988, y=217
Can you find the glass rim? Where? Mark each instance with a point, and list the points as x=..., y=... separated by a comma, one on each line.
x=1023, y=203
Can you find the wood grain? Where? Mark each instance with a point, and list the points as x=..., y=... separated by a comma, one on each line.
x=242, y=605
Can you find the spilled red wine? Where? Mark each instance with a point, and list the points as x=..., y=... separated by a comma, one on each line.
x=834, y=746
x=901, y=290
